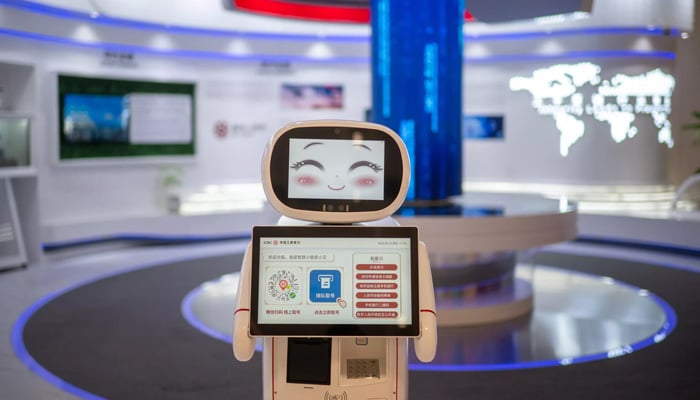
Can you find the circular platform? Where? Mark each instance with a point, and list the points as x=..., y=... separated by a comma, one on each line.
x=473, y=244
x=491, y=222
x=576, y=317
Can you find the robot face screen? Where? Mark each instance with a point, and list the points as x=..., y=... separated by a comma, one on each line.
x=336, y=169
x=334, y=281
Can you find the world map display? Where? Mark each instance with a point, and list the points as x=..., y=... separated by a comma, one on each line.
x=558, y=91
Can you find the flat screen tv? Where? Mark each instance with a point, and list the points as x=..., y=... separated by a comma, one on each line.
x=112, y=118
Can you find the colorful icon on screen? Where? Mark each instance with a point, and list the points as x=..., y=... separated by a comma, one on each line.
x=324, y=285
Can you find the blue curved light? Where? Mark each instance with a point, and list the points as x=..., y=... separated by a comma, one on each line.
x=188, y=314
x=141, y=237
x=659, y=335
x=611, y=30
x=16, y=338
x=191, y=318
x=204, y=54
x=583, y=54
x=17, y=341
x=179, y=52
x=26, y=358
x=640, y=244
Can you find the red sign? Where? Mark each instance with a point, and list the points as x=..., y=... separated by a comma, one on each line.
x=284, y=8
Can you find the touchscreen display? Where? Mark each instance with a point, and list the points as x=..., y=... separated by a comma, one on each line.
x=330, y=281
x=336, y=169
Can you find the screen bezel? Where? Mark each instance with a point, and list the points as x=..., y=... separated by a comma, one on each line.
x=329, y=330
x=280, y=168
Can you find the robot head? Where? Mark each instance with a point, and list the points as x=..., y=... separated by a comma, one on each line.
x=336, y=171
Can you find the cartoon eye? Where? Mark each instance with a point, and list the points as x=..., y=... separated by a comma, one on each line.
x=300, y=164
x=365, y=182
x=375, y=167
x=306, y=180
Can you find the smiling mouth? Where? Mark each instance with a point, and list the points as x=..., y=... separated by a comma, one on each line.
x=332, y=188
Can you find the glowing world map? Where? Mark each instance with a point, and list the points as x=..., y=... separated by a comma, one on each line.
x=557, y=91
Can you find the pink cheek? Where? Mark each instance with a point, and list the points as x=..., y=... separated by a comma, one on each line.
x=365, y=182
x=306, y=180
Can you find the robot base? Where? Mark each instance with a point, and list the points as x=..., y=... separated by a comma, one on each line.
x=335, y=368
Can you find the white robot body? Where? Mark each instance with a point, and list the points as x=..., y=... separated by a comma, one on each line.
x=330, y=367
x=361, y=368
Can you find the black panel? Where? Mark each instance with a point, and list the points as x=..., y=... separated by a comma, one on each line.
x=309, y=360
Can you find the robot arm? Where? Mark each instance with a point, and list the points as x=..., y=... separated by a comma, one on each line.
x=426, y=344
x=243, y=343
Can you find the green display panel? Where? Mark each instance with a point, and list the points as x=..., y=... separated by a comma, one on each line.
x=111, y=118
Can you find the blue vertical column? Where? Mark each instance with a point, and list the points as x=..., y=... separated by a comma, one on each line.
x=417, y=88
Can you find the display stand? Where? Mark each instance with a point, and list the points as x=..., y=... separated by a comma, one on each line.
x=12, y=253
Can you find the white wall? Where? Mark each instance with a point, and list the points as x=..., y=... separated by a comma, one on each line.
x=240, y=94
x=685, y=157
x=530, y=152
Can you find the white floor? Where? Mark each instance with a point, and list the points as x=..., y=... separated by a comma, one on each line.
x=19, y=289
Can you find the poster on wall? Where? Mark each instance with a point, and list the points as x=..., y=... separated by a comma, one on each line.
x=479, y=127
x=311, y=97
x=113, y=118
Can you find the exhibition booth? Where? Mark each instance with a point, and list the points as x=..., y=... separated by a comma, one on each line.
x=577, y=105
x=124, y=123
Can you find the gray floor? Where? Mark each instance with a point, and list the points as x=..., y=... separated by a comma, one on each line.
x=19, y=289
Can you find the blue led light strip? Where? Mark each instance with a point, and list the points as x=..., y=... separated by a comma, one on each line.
x=140, y=237
x=63, y=13
x=593, y=54
x=581, y=54
x=181, y=53
x=23, y=354
x=187, y=312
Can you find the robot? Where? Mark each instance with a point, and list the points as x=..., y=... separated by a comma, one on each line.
x=337, y=289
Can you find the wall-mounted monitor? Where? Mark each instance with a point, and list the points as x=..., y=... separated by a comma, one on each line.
x=112, y=118
x=477, y=127
x=334, y=281
x=14, y=142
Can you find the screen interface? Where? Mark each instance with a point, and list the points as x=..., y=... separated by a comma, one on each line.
x=336, y=169
x=321, y=281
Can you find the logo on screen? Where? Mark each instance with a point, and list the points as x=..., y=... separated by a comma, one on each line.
x=324, y=286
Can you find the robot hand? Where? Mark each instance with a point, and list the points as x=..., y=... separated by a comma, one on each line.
x=243, y=343
x=426, y=344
